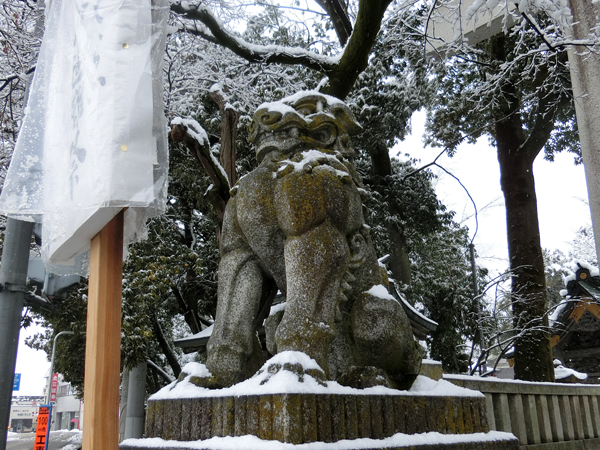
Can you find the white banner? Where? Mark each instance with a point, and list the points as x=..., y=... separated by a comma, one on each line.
x=93, y=140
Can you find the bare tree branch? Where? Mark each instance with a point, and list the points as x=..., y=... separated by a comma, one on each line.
x=338, y=14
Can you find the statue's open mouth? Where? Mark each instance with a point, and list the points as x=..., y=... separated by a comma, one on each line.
x=289, y=138
x=311, y=121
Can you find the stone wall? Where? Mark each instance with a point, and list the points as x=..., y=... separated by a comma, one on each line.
x=548, y=416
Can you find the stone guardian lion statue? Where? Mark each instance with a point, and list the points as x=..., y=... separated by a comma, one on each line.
x=296, y=224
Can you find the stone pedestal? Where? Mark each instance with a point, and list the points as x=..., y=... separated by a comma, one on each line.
x=326, y=418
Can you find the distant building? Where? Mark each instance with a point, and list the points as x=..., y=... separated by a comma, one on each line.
x=23, y=413
x=67, y=411
x=576, y=324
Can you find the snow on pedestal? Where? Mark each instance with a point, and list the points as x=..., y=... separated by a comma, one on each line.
x=283, y=406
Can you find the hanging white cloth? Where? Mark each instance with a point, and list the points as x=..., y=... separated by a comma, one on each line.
x=93, y=140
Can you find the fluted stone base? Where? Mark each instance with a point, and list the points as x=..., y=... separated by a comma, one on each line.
x=508, y=444
x=323, y=418
x=303, y=418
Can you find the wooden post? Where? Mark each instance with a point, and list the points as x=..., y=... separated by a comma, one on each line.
x=103, y=339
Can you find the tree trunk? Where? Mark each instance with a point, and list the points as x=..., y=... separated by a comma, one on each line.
x=229, y=120
x=355, y=58
x=399, y=263
x=187, y=311
x=338, y=13
x=533, y=354
x=166, y=348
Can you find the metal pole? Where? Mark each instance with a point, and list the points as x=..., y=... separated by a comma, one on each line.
x=13, y=277
x=134, y=422
x=477, y=300
x=52, y=363
x=123, y=403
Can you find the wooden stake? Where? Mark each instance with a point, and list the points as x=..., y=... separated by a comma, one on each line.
x=103, y=339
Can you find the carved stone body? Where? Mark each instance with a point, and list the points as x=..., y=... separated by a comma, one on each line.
x=296, y=224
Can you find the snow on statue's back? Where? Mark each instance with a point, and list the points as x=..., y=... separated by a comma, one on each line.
x=93, y=138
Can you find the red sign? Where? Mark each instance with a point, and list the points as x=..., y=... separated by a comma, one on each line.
x=42, y=428
x=54, y=387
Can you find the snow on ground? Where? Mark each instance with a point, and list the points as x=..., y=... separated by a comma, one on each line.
x=12, y=436
x=254, y=443
x=74, y=441
x=287, y=382
x=59, y=439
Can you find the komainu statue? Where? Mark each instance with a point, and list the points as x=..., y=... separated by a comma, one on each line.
x=296, y=224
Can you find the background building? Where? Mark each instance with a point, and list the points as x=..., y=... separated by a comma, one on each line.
x=67, y=411
x=23, y=413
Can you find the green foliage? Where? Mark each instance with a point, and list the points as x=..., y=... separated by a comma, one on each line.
x=556, y=267
x=470, y=92
x=393, y=86
x=441, y=286
x=420, y=210
x=70, y=349
x=173, y=271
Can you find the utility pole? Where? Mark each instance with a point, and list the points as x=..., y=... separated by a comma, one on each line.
x=584, y=64
x=52, y=363
x=13, y=277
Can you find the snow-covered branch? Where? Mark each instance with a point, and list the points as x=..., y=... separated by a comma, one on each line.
x=252, y=52
x=342, y=70
x=196, y=140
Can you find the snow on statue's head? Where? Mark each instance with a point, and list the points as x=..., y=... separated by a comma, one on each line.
x=303, y=121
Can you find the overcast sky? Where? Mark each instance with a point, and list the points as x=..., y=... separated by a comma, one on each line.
x=560, y=188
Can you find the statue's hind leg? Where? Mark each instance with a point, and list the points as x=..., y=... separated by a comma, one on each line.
x=383, y=337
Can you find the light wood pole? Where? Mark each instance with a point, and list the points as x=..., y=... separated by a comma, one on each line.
x=103, y=339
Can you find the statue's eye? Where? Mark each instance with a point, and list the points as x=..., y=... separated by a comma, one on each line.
x=306, y=110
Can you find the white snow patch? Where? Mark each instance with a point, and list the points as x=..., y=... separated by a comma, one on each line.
x=575, y=265
x=286, y=382
x=380, y=291
x=11, y=436
x=561, y=372
x=283, y=104
x=254, y=443
x=276, y=308
x=194, y=369
x=194, y=129
x=314, y=156
x=508, y=380
x=427, y=386
x=553, y=317
x=432, y=362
